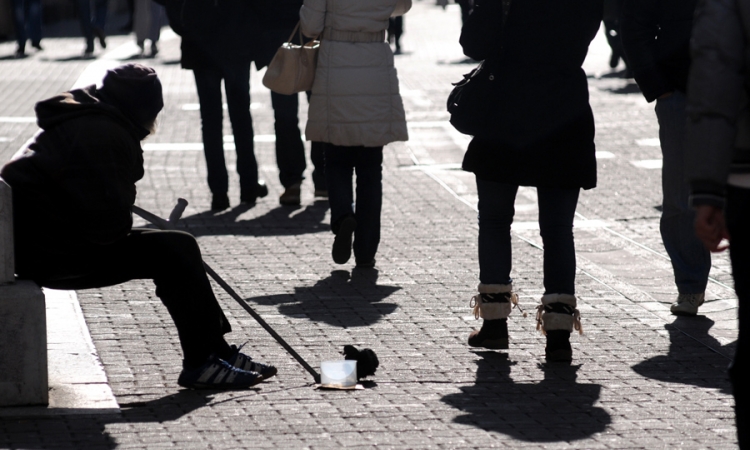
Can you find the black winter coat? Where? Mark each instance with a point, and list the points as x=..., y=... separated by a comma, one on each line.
x=217, y=34
x=656, y=38
x=277, y=18
x=75, y=183
x=545, y=129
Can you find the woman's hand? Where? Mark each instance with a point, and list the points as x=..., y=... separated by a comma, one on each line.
x=711, y=228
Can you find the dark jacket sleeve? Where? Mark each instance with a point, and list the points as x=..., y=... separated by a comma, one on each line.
x=639, y=29
x=480, y=35
x=716, y=97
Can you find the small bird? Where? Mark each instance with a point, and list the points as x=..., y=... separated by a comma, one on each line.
x=367, y=361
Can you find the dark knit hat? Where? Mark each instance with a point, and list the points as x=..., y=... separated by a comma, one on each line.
x=135, y=90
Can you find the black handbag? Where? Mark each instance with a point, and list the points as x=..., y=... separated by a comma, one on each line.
x=474, y=102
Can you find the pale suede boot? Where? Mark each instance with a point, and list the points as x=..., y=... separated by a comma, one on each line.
x=493, y=304
x=557, y=316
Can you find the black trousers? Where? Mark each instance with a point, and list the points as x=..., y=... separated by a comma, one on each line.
x=738, y=225
x=171, y=258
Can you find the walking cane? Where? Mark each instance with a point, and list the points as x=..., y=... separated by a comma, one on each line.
x=174, y=216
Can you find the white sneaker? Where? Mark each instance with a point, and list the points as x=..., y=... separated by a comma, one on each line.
x=687, y=304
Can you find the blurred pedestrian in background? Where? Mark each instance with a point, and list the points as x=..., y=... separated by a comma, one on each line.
x=718, y=160
x=612, y=23
x=27, y=20
x=466, y=7
x=356, y=109
x=278, y=19
x=542, y=135
x=149, y=17
x=395, y=30
x=656, y=40
x=219, y=41
x=93, y=25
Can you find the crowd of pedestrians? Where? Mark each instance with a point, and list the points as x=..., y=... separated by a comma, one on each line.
x=689, y=56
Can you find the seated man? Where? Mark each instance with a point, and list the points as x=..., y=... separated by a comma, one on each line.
x=73, y=189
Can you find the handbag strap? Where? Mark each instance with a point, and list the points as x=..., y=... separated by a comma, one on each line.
x=297, y=29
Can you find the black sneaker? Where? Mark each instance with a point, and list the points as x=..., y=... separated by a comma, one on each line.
x=342, y=243
x=251, y=195
x=219, y=202
x=218, y=374
x=99, y=33
x=558, y=346
x=493, y=335
x=244, y=362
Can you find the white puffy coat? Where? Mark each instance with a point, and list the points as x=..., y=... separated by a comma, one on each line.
x=355, y=98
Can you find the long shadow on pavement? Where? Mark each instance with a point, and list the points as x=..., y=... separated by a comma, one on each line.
x=340, y=300
x=557, y=409
x=89, y=432
x=690, y=358
x=280, y=221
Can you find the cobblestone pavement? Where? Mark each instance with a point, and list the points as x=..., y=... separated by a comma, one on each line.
x=640, y=378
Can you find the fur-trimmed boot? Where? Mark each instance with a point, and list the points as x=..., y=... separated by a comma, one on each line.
x=493, y=304
x=557, y=316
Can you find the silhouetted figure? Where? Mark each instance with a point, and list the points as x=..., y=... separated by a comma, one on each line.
x=278, y=19
x=217, y=45
x=541, y=134
x=718, y=161
x=395, y=30
x=27, y=20
x=656, y=39
x=354, y=117
x=93, y=25
x=73, y=190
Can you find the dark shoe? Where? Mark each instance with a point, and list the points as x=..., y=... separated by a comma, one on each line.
x=219, y=202
x=342, y=243
x=154, y=50
x=99, y=33
x=558, y=346
x=291, y=195
x=251, y=195
x=614, y=60
x=20, y=52
x=37, y=45
x=244, y=362
x=89, y=51
x=493, y=335
x=218, y=374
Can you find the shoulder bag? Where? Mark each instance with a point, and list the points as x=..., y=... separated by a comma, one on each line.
x=474, y=102
x=292, y=68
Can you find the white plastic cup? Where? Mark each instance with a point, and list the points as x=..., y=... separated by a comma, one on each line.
x=338, y=373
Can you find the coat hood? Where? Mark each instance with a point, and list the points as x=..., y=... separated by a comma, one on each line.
x=82, y=102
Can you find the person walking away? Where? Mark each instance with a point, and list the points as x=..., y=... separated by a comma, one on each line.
x=27, y=20
x=612, y=29
x=356, y=109
x=148, y=18
x=93, y=26
x=218, y=44
x=718, y=160
x=541, y=135
x=73, y=189
x=656, y=39
x=395, y=30
x=278, y=19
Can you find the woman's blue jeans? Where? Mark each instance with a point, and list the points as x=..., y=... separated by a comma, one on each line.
x=557, y=208
x=341, y=163
x=691, y=262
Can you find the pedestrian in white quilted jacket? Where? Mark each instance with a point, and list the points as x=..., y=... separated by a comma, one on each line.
x=356, y=109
